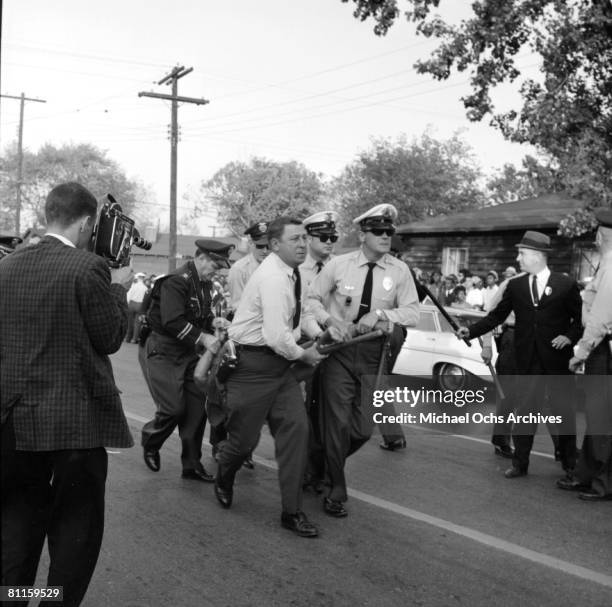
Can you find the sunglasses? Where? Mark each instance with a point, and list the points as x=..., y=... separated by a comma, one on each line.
x=261, y=246
x=380, y=231
x=326, y=237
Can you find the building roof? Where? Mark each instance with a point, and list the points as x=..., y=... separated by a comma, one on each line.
x=543, y=212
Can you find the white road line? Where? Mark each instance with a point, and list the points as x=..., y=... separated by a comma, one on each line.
x=476, y=536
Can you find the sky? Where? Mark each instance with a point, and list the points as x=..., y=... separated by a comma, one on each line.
x=286, y=80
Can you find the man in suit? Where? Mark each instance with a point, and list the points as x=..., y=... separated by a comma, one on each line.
x=62, y=312
x=547, y=308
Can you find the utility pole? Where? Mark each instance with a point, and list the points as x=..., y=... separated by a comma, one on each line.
x=173, y=78
x=23, y=99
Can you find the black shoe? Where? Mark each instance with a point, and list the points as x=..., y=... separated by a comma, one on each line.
x=299, y=523
x=515, y=472
x=504, y=451
x=590, y=495
x=394, y=445
x=334, y=508
x=248, y=463
x=224, y=496
x=152, y=460
x=571, y=483
x=198, y=475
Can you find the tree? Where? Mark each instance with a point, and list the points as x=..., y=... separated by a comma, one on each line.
x=569, y=112
x=534, y=178
x=422, y=178
x=52, y=165
x=260, y=191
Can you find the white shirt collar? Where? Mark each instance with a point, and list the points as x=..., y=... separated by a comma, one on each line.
x=61, y=239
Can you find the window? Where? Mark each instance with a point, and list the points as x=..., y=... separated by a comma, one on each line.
x=426, y=321
x=586, y=259
x=454, y=259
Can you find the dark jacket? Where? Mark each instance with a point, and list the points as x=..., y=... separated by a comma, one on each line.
x=558, y=313
x=60, y=318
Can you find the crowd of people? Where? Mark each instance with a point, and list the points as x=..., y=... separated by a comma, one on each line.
x=290, y=336
x=467, y=290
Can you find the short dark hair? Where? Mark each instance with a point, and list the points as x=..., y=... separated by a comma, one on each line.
x=68, y=202
x=277, y=226
x=458, y=289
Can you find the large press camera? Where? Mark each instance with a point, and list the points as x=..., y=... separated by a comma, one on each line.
x=114, y=234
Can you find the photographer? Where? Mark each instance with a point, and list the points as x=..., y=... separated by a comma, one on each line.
x=62, y=312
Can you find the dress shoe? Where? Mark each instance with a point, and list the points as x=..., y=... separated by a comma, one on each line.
x=334, y=508
x=248, y=463
x=198, y=475
x=152, y=460
x=299, y=523
x=504, y=451
x=515, y=472
x=224, y=496
x=570, y=483
x=590, y=495
x=394, y=445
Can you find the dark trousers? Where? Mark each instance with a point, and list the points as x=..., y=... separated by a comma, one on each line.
x=315, y=469
x=505, y=366
x=58, y=495
x=263, y=387
x=595, y=462
x=558, y=386
x=133, y=322
x=179, y=401
x=346, y=417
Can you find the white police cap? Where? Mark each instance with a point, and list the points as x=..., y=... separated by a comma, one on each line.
x=380, y=215
x=323, y=221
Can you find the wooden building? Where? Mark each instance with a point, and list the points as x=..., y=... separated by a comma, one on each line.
x=483, y=239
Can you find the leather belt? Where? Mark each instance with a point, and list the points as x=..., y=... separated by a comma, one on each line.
x=251, y=348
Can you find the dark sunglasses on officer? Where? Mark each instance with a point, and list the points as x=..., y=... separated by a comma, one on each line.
x=380, y=231
x=262, y=246
x=326, y=237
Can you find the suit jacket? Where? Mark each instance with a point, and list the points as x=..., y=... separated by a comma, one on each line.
x=60, y=317
x=558, y=313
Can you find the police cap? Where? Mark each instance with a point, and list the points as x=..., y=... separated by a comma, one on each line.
x=323, y=222
x=218, y=251
x=604, y=217
x=258, y=231
x=380, y=216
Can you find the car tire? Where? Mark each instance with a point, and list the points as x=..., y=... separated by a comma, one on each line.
x=450, y=377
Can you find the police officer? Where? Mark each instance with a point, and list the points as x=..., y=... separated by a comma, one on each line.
x=322, y=234
x=181, y=321
x=263, y=387
x=241, y=271
x=593, y=474
x=366, y=290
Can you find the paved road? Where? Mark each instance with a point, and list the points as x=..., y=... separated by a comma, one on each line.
x=434, y=525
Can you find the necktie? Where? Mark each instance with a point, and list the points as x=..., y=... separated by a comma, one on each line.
x=319, y=265
x=297, y=289
x=366, y=296
x=534, y=290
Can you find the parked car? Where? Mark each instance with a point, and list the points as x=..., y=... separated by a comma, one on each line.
x=431, y=350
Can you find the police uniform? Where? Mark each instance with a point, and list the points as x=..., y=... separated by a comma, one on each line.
x=320, y=224
x=593, y=475
x=242, y=270
x=352, y=283
x=179, y=315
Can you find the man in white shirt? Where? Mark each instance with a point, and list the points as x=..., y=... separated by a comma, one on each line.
x=135, y=295
x=262, y=387
x=488, y=293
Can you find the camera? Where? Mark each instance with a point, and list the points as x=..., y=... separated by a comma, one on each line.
x=114, y=234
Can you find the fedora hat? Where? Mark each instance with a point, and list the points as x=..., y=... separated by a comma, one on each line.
x=534, y=240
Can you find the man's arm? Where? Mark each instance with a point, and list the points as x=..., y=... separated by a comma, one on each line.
x=574, y=309
x=173, y=299
x=494, y=318
x=103, y=307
